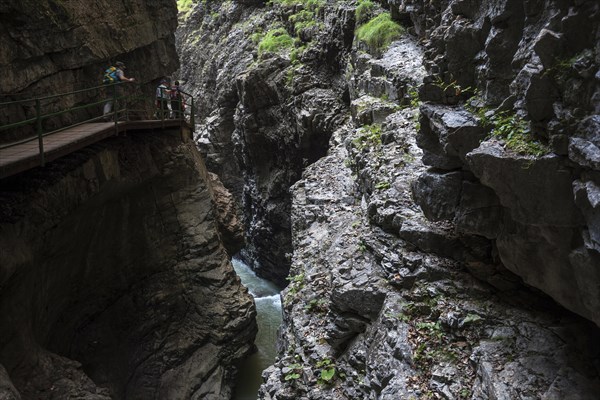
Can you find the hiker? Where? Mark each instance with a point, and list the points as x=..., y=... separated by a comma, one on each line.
x=177, y=101
x=163, y=93
x=114, y=74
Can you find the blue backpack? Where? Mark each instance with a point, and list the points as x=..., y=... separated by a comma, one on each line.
x=110, y=76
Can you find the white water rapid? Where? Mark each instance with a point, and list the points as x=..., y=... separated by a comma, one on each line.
x=268, y=318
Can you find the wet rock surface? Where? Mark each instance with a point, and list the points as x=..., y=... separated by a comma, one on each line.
x=368, y=298
x=118, y=285
x=529, y=83
x=263, y=117
x=414, y=239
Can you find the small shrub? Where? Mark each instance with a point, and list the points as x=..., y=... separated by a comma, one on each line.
x=275, y=41
x=379, y=32
x=370, y=136
x=316, y=306
x=451, y=87
x=413, y=95
x=302, y=20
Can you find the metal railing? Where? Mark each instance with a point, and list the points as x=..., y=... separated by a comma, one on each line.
x=43, y=116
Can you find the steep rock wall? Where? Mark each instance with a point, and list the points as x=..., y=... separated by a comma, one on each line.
x=532, y=69
x=387, y=298
x=378, y=306
x=263, y=116
x=115, y=282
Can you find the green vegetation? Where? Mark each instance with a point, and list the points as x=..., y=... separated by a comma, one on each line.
x=306, y=4
x=328, y=371
x=184, y=5
x=563, y=67
x=306, y=10
x=515, y=133
x=379, y=32
x=295, y=53
x=364, y=11
x=370, y=136
x=413, y=95
x=316, y=306
x=362, y=246
x=508, y=127
x=275, y=41
x=382, y=185
x=256, y=37
x=451, y=87
x=302, y=20
x=295, y=372
x=296, y=284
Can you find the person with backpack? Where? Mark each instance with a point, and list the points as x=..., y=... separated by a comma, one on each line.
x=177, y=104
x=114, y=74
x=163, y=94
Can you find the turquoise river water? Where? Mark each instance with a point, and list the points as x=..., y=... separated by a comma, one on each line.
x=268, y=318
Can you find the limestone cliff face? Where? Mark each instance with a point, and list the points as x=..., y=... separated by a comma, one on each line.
x=533, y=71
x=397, y=283
x=263, y=118
x=115, y=282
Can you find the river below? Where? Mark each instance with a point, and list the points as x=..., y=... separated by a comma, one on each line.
x=268, y=318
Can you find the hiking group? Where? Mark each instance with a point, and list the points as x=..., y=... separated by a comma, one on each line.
x=170, y=102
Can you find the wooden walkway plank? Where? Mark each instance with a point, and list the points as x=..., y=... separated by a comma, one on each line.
x=24, y=156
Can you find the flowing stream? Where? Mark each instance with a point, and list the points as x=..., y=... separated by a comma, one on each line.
x=268, y=318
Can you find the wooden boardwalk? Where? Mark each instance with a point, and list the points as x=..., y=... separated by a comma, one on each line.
x=24, y=156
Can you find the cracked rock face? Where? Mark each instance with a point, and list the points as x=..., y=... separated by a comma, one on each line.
x=389, y=298
x=118, y=285
x=403, y=237
x=531, y=63
x=264, y=119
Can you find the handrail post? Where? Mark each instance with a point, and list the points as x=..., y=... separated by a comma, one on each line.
x=162, y=106
x=116, y=108
x=38, y=127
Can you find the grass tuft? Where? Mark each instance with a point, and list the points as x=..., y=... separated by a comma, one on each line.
x=380, y=31
x=275, y=41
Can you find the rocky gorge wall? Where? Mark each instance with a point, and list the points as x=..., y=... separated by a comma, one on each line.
x=263, y=121
x=115, y=282
x=518, y=158
x=399, y=286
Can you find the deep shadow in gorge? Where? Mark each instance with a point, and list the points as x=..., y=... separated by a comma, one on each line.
x=117, y=284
